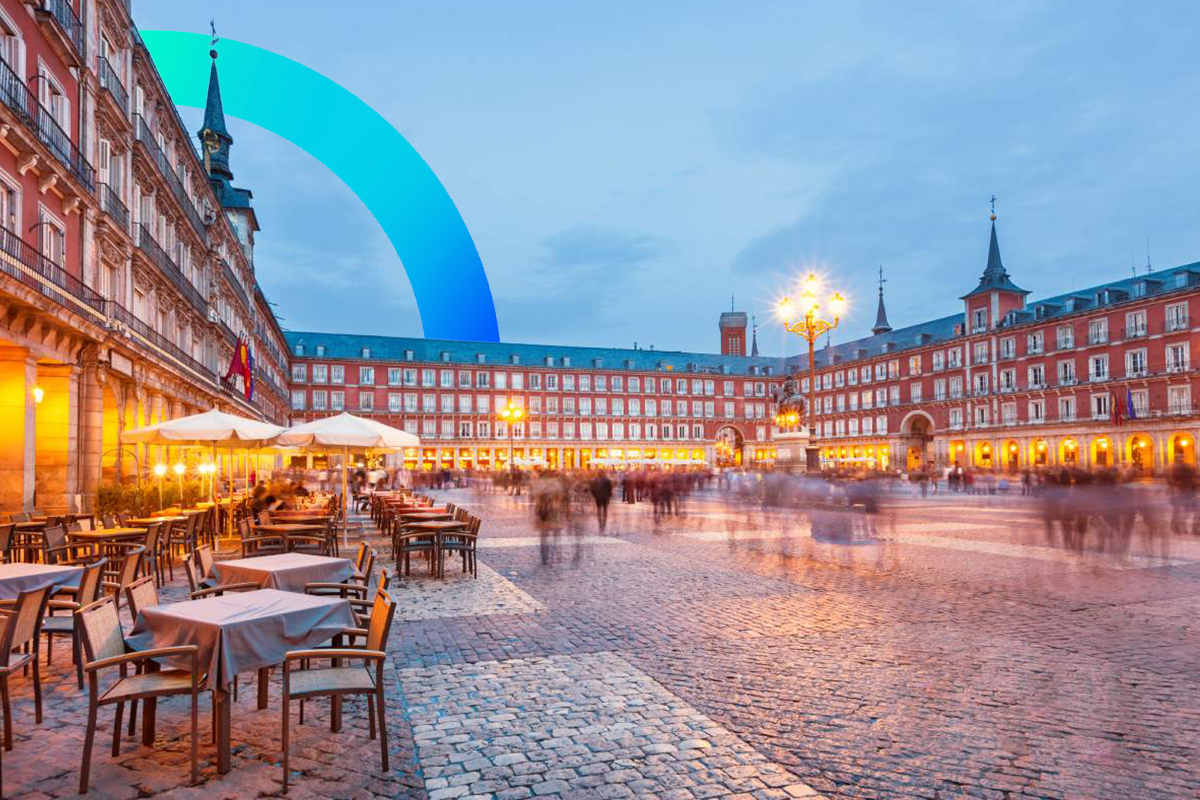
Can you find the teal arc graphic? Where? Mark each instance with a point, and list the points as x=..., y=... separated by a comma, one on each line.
x=363, y=149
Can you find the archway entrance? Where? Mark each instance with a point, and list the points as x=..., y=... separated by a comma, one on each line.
x=1102, y=452
x=729, y=447
x=1011, y=455
x=1039, y=453
x=1141, y=454
x=1183, y=449
x=918, y=431
x=1068, y=453
x=983, y=455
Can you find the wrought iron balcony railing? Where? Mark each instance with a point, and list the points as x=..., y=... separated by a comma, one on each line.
x=169, y=269
x=124, y=317
x=232, y=280
x=111, y=83
x=110, y=203
x=22, y=261
x=69, y=21
x=19, y=99
x=146, y=137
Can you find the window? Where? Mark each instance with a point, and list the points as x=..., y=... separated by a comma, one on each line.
x=410, y=377
x=395, y=402
x=1066, y=409
x=1098, y=331
x=54, y=239
x=839, y=379
x=1008, y=414
x=518, y=380
x=337, y=374
x=1037, y=410
x=320, y=401
x=1100, y=406
x=894, y=395
x=410, y=403
x=954, y=358
x=881, y=372
x=881, y=425
x=464, y=379
x=535, y=381
x=428, y=403
x=1037, y=376
x=585, y=406
x=981, y=416
x=1008, y=347
x=464, y=430
x=868, y=399
x=568, y=405
x=956, y=388
x=635, y=407
x=1034, y=343
x=956, y=418
x=299, y=373
x=483, y=404
x=939, y=360
x=1140, y=401
x=1135, y=363
x=618, y=383
x=914, y=365
x=320, y=373
x=1064, y=337
x=447, y=379
x=1066, y=372
x=366, y=401
x=585, y=383
x=601, y=406
x=1008, y=380
x=939, y=389
x=552, y=382
x=1098, y=367
x=1135, y=324
x=868, y=426
x=601, y=383
x=865, y=374
x=841, y=402
x=981, y=352
x=447, y=404
x=568, y=383
x=1179, y=399
x=366, y=376
x=981, y=383
x=618, y=407
x=1177, y=317
x=464, y=404
x=483, y=380
x=852, y=377
x=979, y=320
x=337, y=401
x=1177, y=357
x=652, y=407
x=298, y=400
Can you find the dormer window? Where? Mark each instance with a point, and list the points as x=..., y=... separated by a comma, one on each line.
x=299, y=348
x=514, y=359
x=366, y=352
x=1139, y=289
x=446, y=356
x=408, y=355
x=320, y=349
x=549, y=361
x=566, y=361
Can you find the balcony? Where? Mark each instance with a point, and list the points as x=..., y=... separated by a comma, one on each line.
x=1135, y=332
x=1177, y=324
x=17, y=97
x=110, y=203
x=21, y=261
x=111, y=83
x=1099, y=337
x=1179, y=367
x=1098, y=377
x=63, y=29
x=168, y=268
x=234, y=283
x=227, y=332
x=132, y=324
x=146, y=138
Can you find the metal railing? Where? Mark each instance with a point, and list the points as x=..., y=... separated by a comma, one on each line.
x=227, y=332
x=1134, y=332
x=125, y=318
x=146, y=137
x=111, y=83
x=232, y=280
x=110, y=203
x=1177, y=324
x=19, y=99
x=169, y=268
x=65, y=16
x=22, y=261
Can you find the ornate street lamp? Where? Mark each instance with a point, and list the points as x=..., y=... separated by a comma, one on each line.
x=512, y=414
x=802, y=315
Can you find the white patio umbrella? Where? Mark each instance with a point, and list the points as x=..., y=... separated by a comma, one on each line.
x=210, y=428
x=346, y=434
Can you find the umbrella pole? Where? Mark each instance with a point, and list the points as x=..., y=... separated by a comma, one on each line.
x=345, y=498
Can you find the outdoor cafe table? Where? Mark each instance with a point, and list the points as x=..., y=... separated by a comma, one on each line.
x=19, y=577
x=104, y=535
x=235, y=633
x=287, y=572
x=156, y=520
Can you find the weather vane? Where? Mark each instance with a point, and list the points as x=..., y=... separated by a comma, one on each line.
x=212, y=23
x=993, y=202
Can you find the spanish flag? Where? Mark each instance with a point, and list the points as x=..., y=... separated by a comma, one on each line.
x=242, y=364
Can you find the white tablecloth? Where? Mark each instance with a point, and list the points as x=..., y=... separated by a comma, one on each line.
x=286, y=571
x=17, y=578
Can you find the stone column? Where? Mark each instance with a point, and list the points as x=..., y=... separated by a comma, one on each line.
x=57, y=447
x=91, y=448
x=18, y=376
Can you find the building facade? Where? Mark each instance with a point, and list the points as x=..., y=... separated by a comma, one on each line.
x=127, y=263
x=1101, y=376
x=580, y=406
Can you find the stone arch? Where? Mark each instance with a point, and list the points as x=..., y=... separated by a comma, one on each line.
x=1181, y=448
x=730, y=442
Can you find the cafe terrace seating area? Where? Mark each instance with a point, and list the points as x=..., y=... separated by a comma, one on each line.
x=271, y=643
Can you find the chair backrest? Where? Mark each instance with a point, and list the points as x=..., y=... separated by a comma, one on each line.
x=244, y=528
x=153, y=533
x=101, y=629
x=192, y=521
x=20, y=516
x=140, y=594
x=382, y=612
x=54, y=536
x=129, y=568
x=368, y=567
x=75, y=527
x=107, y=520
x=384, y=579
x=6, y=532
x=123, y=518
x=189, y=567
x=264, y=518
x=204, y=561
x=461, y=514
x=89, y=582
x=24, y=623
x=85, y=524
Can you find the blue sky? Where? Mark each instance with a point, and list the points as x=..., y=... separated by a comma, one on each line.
x=626, y=167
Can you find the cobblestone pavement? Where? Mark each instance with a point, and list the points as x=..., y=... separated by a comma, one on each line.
x=726, y=653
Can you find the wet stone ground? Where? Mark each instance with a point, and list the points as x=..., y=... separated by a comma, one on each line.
x=956, y=652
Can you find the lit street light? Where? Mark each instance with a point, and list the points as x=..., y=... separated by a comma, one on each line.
x=159, y=471
x=512, y=414
x=801, y=315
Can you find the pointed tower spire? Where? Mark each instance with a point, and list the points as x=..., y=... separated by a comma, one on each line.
x=881, y=320
x=995, y=276
x=214, y=136
x=754, y=337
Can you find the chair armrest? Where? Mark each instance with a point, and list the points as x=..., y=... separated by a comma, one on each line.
x=228, y=587
x=146, y=655
x=69, y=605
x=333, y=652
x=343, y=587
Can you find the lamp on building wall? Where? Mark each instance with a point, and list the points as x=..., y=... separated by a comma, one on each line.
x=802, y=315
x=39, y=394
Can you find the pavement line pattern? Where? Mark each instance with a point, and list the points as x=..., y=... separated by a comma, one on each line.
x=1031, y=551
x=460, y=595
x=580, y=726
x=535, y=541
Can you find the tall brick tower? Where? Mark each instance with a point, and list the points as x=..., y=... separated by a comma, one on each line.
x=733, y=332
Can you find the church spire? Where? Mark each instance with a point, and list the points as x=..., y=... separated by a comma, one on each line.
x=881, y=320
x=995, y=276
x=214, y=136
x=754, y=338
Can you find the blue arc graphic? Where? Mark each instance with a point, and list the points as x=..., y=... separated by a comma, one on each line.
x=361, y=148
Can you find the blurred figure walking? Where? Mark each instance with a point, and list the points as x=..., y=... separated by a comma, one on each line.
x=601, y=488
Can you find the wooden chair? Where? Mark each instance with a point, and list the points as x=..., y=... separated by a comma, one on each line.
x=142, y=593
x=105, y=646
x=6, y=539
x=57, y=549
x=406, y=542
x=267, y=544
x=339, y=681
x=67, y=624
x=314, y=544
x=22, y=629
x=127, y=571
x=462, y=542
x=204, y=567
x=363, y=607
x=19, y=516
x=181, y=538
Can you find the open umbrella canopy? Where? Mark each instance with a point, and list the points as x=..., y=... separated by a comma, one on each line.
x=210, y=427
x=346, y=432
